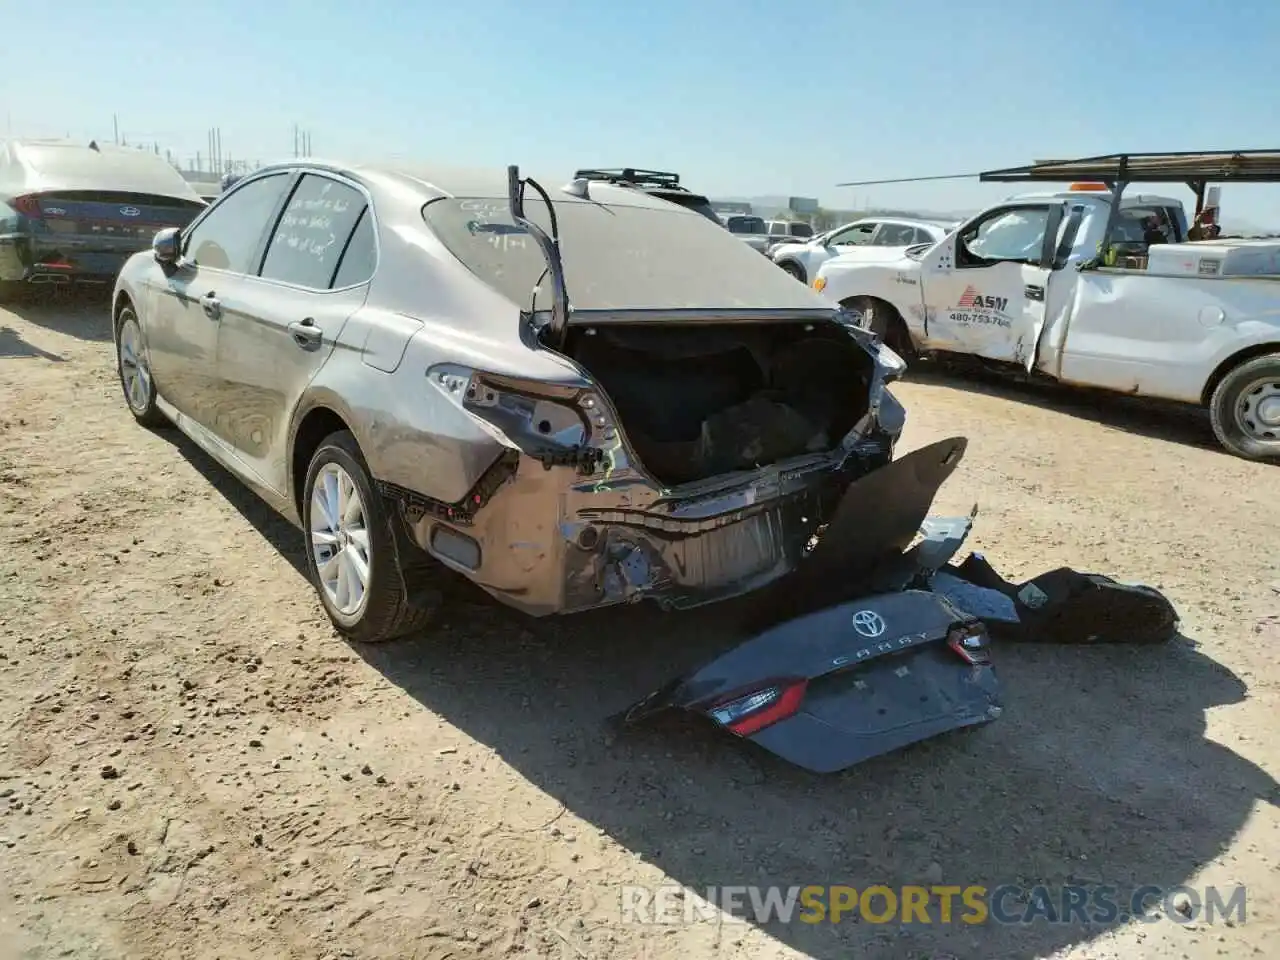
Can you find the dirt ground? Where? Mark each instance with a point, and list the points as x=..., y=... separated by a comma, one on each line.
x=193, y=765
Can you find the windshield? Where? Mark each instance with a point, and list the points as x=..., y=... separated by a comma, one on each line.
x=741, y=224
x=617, y=256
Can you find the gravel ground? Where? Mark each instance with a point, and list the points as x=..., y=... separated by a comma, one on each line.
x=192, y=764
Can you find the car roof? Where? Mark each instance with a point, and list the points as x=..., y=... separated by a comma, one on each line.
x=429, y=182
x=902, y=221
x=1128, y=199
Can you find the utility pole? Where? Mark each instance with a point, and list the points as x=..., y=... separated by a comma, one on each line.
x=115, y=123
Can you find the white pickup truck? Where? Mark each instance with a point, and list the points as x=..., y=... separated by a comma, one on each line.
x=1030, y=282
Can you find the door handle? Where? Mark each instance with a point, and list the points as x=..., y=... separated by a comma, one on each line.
x=211, y=305
x=305, y=333
x=1034, y=292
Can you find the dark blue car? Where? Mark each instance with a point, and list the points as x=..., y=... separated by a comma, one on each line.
x=71, y=213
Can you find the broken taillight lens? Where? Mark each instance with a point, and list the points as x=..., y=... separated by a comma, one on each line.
x=970, y=641
x=750, y=713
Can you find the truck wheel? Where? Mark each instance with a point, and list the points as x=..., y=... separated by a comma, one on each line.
x=884, y=321
x=357, y=564
x=793, y=268
x=1245, y=409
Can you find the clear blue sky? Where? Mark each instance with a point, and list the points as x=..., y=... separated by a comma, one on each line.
x=876, y=89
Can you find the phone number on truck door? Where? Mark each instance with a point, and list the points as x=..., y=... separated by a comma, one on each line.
x=980, y=319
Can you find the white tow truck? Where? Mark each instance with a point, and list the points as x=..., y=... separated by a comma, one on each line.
x=1073, y=286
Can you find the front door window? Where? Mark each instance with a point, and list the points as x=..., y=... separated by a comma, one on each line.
x=1014, y=234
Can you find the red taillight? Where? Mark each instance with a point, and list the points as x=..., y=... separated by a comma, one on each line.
x=969, y=640
x=27, y=206
x=749, y=713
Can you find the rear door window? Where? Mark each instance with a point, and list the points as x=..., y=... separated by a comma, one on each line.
x=230, y=237
x=361, y=256
x=312, y=232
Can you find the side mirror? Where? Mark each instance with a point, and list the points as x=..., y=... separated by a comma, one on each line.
x=165, y=245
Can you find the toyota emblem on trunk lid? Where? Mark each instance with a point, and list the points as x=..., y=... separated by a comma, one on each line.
x=130, y=211
x=868, y=623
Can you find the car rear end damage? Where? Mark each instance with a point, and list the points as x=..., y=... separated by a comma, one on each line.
x=571, y=513
x=649, y=440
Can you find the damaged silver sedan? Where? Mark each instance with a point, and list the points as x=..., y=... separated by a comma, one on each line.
x=575, y=398
x=579, y=399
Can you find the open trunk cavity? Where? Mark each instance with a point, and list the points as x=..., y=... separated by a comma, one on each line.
x=701, y=400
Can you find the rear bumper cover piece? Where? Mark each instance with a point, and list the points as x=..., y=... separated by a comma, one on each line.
x=874, y=644
x=861, y=696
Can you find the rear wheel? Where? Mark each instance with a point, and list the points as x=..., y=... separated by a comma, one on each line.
x=1245, y=409
x=134, y=370
x=353, y=552
x=884, y=321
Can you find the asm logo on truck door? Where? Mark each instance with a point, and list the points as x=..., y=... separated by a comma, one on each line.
x=975, y=309
x=972, y=300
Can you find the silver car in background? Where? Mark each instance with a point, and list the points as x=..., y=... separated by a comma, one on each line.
x=871, y=236
x=428, y=369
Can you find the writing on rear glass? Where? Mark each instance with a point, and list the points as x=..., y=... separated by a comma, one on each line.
x=307, y=224
x=490, y=222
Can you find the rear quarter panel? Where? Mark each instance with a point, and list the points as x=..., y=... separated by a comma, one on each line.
x=424, y=309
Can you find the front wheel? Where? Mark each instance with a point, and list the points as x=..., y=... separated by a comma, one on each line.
x=793, y=268
x=883, y=320
x=1245, y=409
x=353, y=556
x=135, y=371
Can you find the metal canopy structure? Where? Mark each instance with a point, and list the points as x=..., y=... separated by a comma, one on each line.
x=1196, y=169
x=1240, y=166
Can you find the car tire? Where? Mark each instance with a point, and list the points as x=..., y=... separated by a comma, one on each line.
x=885, y=322
x=1244, y=409
x=361, y=549
x=793, y=268
x=134, y=370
